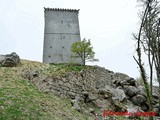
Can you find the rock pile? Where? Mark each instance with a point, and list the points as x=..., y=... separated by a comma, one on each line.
x=9, y=60
x=96, y=88
x=136, y=94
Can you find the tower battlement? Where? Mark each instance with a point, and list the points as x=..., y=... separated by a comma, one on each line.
x=61, y=9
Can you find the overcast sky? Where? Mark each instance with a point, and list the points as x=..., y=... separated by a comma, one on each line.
x=108, y=23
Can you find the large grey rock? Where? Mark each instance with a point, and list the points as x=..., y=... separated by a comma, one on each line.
x=93, y=97
x=141, y=90
x=2, y=58
x=144, y=106
x=124, y=82
x=76, y=105
x=155, y=93
x=131, y=81
x=121, y=79
x=127, y=81
x=131, y=90
x=139, y=99
x=104, y=91
x=10, y=60
x=131, y=107
x=117, y=94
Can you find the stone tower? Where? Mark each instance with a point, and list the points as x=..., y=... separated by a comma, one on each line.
x=61, y=30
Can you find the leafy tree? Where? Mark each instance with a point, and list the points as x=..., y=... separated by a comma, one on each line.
x=83, y=50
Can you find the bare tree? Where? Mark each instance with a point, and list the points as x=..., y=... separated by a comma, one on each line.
x=148, y=43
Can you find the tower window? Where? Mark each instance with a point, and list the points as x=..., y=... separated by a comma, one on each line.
x=62, y=21
x=49, y=56
x=62, y=47
x=50, y=46
x=63, y=37
x=69, y=24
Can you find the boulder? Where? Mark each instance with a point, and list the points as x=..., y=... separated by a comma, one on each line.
x=131, y=81
x=10, y=60
x=131, y=90
x=117, y=94
x=141, y=90
x=103, y=91
x=2, y=58
x=144, y=107
x=132, y=108
x=139, y=99
x=154, y=95
x=124, y=82
x=93, y=97
x=121, y=79
x=76, y=105
x=127, y=81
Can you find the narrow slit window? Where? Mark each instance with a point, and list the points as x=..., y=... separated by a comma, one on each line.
x=69, y=24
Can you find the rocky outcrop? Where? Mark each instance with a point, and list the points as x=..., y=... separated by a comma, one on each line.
x=9, y=60
x=117, y=94
x=72, y=83
x=2, y=58
x=96, y=87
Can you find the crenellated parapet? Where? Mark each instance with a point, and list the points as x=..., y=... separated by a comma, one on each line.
x=61, y=9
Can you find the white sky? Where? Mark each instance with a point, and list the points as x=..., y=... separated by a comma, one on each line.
x=108, y=23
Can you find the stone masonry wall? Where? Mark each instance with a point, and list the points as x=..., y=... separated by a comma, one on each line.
x=97, y=86
x=73, y=83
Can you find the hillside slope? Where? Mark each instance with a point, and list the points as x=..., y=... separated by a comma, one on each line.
x=20, y=99
x=37, y=91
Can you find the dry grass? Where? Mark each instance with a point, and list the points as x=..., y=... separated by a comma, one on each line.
x=20, y=100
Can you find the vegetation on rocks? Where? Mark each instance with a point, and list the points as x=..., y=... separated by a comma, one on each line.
x=61, y=69
x=20, y=100
x=37, y=91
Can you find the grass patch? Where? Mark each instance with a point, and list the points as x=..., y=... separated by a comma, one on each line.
x=20, y=100
x=62, y=69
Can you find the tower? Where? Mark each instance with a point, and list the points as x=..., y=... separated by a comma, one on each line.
x=61, y=30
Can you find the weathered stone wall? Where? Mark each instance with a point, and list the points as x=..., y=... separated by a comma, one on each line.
x=73, y=83
x=97, y=86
